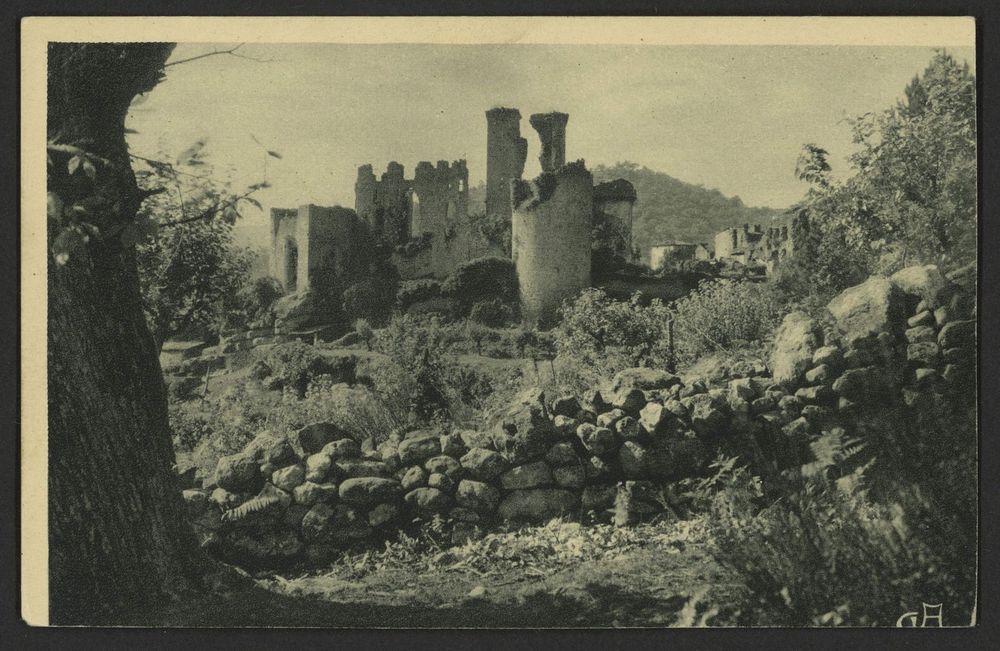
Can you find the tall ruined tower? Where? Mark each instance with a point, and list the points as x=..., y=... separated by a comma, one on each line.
x=551, y=226
x=506, y=152
x=551, y=128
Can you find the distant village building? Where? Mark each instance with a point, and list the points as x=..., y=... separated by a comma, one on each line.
x=755, y=245
x=660, y=254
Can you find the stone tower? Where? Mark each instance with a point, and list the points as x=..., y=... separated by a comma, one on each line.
x=551, y=128
x=506, y=152
x=550, y=234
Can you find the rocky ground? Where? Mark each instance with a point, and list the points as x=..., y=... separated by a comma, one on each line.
x=557, y=575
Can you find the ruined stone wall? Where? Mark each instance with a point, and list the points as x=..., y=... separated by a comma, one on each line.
x=440, y=196
x=506, y=152
x=316, y=244
x=384, y=204
x=898, y=362
x=551, y=233
x=551, y=128
x=613, y=205
x=445, y=253
x=284, y=247
x=338, y=246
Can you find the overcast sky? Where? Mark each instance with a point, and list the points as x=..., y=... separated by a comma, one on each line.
x=727, y=117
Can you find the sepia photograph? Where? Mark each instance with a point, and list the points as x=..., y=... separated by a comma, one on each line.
x=501, y=323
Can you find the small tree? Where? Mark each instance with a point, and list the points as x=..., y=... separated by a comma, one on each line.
x=191, y=272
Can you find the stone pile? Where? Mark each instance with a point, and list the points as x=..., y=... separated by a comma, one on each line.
x=907, y=339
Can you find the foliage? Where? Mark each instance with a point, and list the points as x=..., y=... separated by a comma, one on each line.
x=367, y=412
x=545, y=549
x=295, y=364
x=866, y=530
x=724, y=315
x=599, y=336
x=374, y=297
x=668, y=209
x=911, y=198
x=482, y=279
x=494, y=313
x=418, y=350
x=444, y=309
x=365, y=332
x=494, y=229
x=415, y=291
x=257, y=301
x=191, y=272
x=189, y=427
x=415, y=245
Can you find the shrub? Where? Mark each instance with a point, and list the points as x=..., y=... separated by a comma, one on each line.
x=372, y=298
x=189, y=426
x=482, y=279
x=417, y=347
x=494, y=313
x=295, y=364
x=364, y=332
x=415, y=291
x=724, y=315
x=441, y=308
x=599, y=336
x=258, y=301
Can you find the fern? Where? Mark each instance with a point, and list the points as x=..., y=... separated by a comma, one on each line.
x=251, y=507
x=846, y=458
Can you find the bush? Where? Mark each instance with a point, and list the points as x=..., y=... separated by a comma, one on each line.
x=189, y=426
x=724, y=316
x=494, y=313
x=295, y=364
x=373, y=298
x=258, y=302
x=415, y=291
x=482, y=279
x=417, y=348
x=442, y=308
x=599, y=336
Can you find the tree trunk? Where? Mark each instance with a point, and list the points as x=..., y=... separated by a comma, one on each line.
x=118, y=537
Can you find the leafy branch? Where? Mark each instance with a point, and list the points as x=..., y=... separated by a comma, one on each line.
x=216, y=209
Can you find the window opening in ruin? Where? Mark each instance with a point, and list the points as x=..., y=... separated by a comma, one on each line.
x=291, y=265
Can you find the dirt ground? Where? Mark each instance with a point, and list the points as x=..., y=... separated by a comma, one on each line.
x=655, y=585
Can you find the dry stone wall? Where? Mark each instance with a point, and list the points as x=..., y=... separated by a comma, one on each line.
x=902, y=347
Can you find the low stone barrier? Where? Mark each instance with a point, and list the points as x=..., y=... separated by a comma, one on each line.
x=892, y=345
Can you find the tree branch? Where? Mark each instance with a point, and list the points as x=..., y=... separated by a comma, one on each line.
x=231, y=51
x=208, y=214
x=154, y=163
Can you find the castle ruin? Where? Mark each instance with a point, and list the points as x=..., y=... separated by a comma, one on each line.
x=757, y=245
x=506, y=152
x=312, y=245
x=425, y=220
x=551, y=227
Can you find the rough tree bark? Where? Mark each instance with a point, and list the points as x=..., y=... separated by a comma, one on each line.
x=117, y=533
